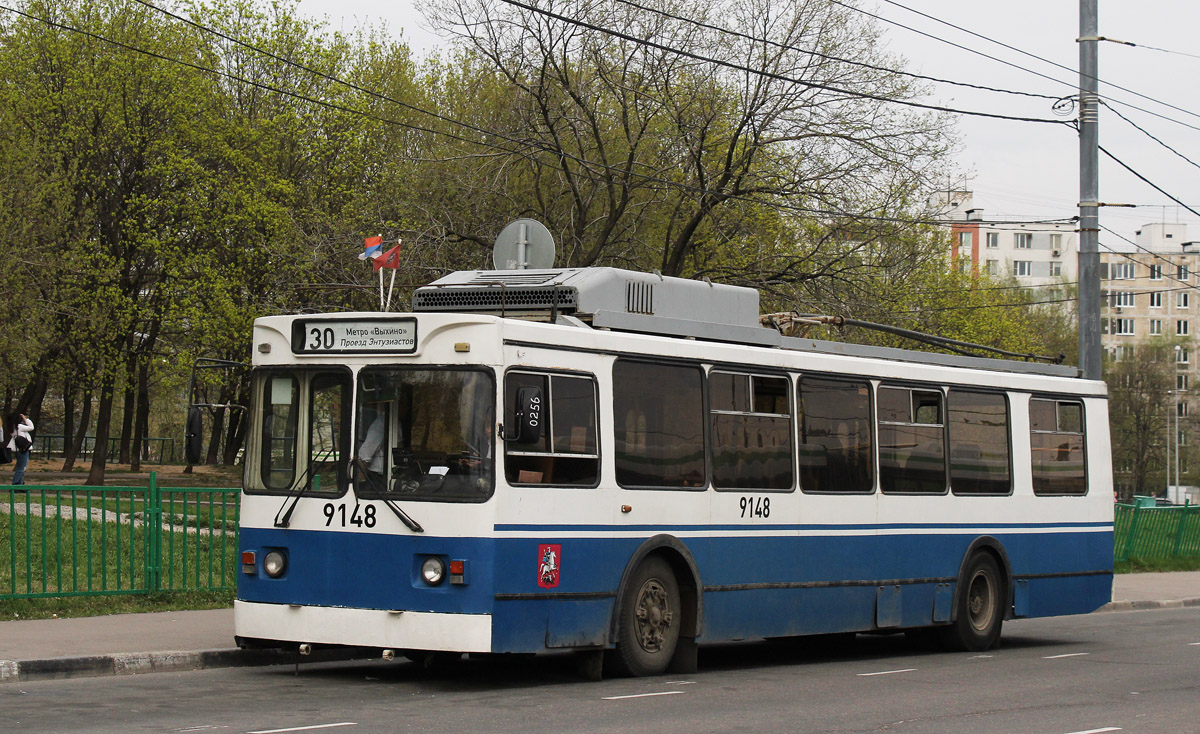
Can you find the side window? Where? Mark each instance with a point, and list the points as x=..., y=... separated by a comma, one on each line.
x=836, y=452
x=566, y=453
x=979, y=447
x=280, y=415
x=1056, y=442
x=328, y=434
x=912, y=440
x=751, y=432
x=658, y=423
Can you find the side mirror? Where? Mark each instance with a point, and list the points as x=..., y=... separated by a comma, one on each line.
x=529, y=415
x=193, y=440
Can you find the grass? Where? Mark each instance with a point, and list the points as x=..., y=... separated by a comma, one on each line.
x=1156, y=565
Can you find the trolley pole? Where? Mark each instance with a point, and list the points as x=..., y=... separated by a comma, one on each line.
x=1089, y=193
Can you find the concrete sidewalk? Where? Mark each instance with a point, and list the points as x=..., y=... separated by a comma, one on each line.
x=123, y=644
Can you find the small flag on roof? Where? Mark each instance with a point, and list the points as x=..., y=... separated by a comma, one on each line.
x=389, y=259
x=372, y=248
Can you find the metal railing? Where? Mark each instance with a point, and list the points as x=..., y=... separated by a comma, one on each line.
x=60, y=541
x=1156, y=532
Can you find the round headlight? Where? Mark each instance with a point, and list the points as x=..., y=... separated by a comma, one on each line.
x=433, y=570
x=274, y=563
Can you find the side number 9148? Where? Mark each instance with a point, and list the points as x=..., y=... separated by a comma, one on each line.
x=337, y=514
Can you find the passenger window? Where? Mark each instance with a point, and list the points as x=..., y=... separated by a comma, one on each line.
x=566, y=453
x=1056, y=442
x=751, y=431
x=835, y=452
x=658, y=417
x=980, y=460
x=912, y=442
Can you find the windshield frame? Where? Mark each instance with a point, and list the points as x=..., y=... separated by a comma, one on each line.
x=486, y=467
x=253, y=482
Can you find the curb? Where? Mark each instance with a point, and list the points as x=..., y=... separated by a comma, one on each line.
x=134, y=663
x=1137, y=606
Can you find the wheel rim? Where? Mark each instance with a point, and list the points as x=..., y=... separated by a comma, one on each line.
x=981, y=601
x=654, y=615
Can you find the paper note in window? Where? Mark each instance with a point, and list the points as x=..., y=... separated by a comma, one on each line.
x=579, y=435
x=529, y=477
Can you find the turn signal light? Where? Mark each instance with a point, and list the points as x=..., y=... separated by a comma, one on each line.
x=249, y=564
x=458, y=572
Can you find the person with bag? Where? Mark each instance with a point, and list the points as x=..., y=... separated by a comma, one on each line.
x=21, y=444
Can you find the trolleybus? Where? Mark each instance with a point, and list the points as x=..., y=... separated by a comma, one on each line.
x=627, y=466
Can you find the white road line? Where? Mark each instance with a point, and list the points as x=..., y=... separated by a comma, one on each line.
x=886, y=672
x=304, y=728
x=635, y=695
x=1096, y=731
x=980, y=657
x=1068, y=655
x=1194, y=643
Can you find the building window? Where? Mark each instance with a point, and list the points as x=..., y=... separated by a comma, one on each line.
x=993, y=240
x=1123, y=327
x=1122, y=299
x=1055, y=269
x=1155, y=327
x=1182, y=299
x=1182, y=272
x=1023, y=241
x=1181, y=355
x=1122, y=271
x=964, y=240
x=1022, y=268
x=1056, y=244
x=1181, y=381
x=1181, y=409
x=1155, y=272
x=1181, y=327
x=1156, y=299
x=990, y=267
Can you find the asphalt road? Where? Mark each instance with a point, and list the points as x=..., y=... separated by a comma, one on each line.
x=1130, y=672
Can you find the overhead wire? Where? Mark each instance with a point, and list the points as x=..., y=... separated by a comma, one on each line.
x=522, y=144
x=1147, y=133
x=769, y=74
x=829, y=57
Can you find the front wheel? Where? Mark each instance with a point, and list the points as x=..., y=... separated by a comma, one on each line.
x=980, y=612
x=648, y=628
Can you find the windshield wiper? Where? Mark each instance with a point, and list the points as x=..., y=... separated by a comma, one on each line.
x=294, y=494
x=381, y=494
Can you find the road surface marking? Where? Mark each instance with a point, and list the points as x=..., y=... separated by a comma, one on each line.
x=980, y=657
x=1097, y=731
x=635, y=695
x=1069, y=655
x=887, y=672
x=304, y=728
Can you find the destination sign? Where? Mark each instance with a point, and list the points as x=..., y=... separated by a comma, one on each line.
x=376, y=336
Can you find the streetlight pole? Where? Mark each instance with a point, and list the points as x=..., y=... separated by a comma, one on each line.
x=1170, y=403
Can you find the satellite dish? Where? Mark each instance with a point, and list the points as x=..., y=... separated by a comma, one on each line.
x=523, y=244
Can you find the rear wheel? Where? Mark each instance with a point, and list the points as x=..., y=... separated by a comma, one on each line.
x=981, y=602
x=648, y=628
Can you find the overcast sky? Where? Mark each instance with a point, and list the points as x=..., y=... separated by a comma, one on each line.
x=1015, y=169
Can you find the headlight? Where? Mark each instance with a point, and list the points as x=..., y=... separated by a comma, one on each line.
x=275, y=563
x=433, y=570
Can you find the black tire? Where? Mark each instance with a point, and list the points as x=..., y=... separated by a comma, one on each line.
x=648, y=628
x=980, y=605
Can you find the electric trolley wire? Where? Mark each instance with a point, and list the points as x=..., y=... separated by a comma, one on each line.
x=1026, y=69
x=1153, y=185
x=523, y=146
x=1031, y=55
x=849, y=94
x=828, y=57
x=1148, y=134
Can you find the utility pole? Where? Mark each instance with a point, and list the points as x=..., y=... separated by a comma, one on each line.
x=1089, y=193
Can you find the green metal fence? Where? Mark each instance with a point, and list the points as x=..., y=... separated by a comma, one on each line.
x=89, y=541
x=1156, y=532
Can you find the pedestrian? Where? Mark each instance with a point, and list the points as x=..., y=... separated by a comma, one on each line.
x=21, y=444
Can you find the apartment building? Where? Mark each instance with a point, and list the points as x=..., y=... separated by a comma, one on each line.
x=1034, y=252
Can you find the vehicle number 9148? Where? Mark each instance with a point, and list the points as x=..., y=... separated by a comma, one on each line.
x=756, y=506
x=337, y=514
